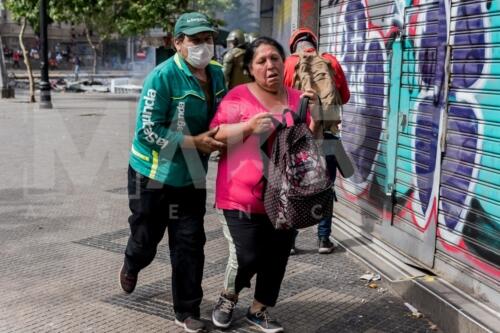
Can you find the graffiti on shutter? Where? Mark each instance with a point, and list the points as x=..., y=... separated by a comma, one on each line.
x=469, y=217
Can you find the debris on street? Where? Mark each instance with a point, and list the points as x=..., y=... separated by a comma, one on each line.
x=429, y=278
x=414, y=312
x=370, y=277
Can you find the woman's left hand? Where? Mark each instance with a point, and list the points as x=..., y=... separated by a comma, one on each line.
x=316, y=125
x=313, y=97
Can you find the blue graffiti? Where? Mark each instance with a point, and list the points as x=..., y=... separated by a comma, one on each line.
x=357, y=60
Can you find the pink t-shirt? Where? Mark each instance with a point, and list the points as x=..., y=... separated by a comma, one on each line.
x=238, y=184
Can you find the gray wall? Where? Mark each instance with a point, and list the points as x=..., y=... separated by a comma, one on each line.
x=266, y=17
x=245, y=15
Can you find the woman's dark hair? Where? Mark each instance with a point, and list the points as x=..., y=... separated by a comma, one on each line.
x=250, y=51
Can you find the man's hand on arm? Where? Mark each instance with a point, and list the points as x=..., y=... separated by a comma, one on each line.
x=204, y=142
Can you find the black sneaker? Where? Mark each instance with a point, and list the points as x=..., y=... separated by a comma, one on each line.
x=222, y=313
x=191, y=324
x=263, y=321
x=127, y=281
x=325, y=246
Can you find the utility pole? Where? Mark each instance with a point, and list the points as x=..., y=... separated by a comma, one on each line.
x=45, y=100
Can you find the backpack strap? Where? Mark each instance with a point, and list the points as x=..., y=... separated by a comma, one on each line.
x=265, y=165
x=301, y=116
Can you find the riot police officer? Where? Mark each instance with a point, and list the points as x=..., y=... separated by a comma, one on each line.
x=233, y=59
x=251, y=36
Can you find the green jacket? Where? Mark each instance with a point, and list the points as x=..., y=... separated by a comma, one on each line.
x=173, y=104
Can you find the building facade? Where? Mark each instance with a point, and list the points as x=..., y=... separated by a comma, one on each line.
x=65, y=39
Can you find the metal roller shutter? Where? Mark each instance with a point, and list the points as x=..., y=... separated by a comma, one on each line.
x=358, y=43
x=469, y=216
x=417, y=151
x=391, y=82
x=425, y=118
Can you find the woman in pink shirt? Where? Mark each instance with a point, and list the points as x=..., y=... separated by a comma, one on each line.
x=255, y=247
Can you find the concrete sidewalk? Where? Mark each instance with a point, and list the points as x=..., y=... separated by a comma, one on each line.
x=63, y=228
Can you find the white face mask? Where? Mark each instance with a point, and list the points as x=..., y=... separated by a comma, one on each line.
x=200, y=55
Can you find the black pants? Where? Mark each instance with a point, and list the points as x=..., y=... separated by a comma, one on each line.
x=260, y=249
x=155, y=207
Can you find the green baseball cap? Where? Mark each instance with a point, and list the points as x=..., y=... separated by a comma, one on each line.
x=192, y=23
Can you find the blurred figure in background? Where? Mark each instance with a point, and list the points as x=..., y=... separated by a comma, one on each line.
x=251, y=36
x=76, y=63
x=234, y=72
x=16, y=57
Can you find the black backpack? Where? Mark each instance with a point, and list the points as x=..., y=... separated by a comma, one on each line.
x=298, y=192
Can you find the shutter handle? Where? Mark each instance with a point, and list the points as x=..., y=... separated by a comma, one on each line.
x=404, y=121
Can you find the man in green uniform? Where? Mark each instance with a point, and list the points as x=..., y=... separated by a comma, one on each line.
x=233, y=59
x=168, y=163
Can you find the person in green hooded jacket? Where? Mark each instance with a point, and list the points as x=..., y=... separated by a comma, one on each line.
x=168, y=165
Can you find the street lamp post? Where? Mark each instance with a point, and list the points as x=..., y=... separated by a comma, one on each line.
x=45, y=100
x=6, y=90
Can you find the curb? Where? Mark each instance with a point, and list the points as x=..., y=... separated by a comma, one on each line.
x=447, y=306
